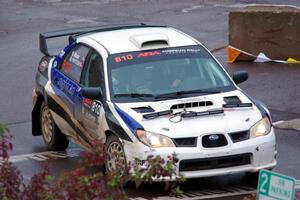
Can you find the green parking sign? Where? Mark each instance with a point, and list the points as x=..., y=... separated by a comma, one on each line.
x=273, y=185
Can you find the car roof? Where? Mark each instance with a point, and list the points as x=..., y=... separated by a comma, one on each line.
x=142, y=38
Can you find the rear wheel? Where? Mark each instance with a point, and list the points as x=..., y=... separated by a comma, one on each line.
x=52, y=136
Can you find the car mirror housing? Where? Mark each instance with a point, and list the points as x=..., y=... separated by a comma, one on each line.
x=240, y=76
x=92, y=92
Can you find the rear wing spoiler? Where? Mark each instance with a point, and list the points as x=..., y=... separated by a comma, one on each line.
x=73, y=32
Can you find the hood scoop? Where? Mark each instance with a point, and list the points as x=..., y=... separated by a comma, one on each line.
x=143, y=109
x=192, y=104
x=145, y=41
x=232, y=100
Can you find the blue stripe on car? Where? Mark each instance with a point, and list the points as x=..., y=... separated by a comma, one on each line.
x=131, y=123
x=59, y=58
x=260, y=105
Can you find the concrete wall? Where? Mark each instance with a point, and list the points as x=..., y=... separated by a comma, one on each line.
x=273, y=30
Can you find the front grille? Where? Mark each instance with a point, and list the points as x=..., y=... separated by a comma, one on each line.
x=185, y=142
x=215, y=163
x=214, y=140
x=239, y=136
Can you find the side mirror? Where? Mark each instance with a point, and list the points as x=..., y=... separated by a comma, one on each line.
x=92, y=92
x=240, y=76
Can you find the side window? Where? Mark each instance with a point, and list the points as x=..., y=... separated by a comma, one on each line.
x=93, y=75
x=74, y=62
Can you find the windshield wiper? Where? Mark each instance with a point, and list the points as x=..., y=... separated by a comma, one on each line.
x=175, y=95
x=166, y=96
x=177, y=117
x=197, y=91
x=134, y=95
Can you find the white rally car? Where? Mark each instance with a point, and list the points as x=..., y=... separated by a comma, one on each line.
x=149, y=90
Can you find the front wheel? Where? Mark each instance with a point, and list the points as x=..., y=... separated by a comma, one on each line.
x=52, y=136
x=115, y=159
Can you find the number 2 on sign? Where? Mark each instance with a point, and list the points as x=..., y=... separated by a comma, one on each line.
x=264, y=182
x=123, y=58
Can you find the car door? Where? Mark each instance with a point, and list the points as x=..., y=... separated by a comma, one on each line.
x=65, y=80
x=89, y=112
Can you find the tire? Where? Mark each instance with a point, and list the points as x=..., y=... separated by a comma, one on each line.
x=116, y=158
x=53, y=138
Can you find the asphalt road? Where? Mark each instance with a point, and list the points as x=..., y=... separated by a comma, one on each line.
x=277, y=85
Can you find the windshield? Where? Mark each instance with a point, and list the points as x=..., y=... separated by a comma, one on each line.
x=165, y=73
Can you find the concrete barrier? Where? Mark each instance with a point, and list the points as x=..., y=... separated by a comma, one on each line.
x=271, y=29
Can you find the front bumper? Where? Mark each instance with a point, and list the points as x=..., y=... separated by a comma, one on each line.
x=261, y=150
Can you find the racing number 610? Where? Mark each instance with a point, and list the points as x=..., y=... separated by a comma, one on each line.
x=123, y=58
x=264, y=178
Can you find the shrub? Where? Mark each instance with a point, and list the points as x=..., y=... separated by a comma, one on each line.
x=11, y=180
x=81, y=183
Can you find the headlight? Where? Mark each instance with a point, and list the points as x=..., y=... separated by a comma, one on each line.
x=153, y=139
x=262, y=127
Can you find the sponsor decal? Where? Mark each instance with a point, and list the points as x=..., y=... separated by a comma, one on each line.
x=180, y=51
x=66, y=66
x=123, y=58
x=87, y=102
x=66, y=86
x=55, y=63
x=149, y=53
x=127, y=57
x=61, y=54
x=76, y=59
x=94, y=105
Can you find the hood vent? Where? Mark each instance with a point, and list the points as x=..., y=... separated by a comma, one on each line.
x=232, y=100
x=192, y=104
x=143, y=109
x=235, y=102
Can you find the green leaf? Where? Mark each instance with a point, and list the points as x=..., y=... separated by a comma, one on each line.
x=178, y=192
x=3, y=129
x=50, y=178
x=86, y=179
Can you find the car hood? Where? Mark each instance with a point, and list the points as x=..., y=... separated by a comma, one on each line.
x=232, y=120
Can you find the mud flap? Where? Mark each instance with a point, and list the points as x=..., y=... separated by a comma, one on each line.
x=35, y=118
